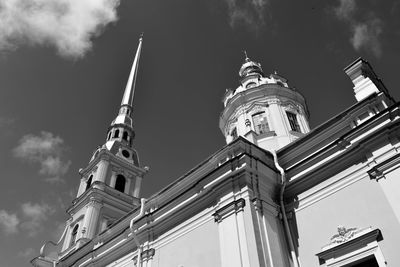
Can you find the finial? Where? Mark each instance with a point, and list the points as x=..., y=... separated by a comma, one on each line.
x=275, y=72
x=141, y=36
x=247, y=59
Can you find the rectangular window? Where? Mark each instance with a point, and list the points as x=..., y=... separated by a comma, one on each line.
x=294, y=124
x=260, y=123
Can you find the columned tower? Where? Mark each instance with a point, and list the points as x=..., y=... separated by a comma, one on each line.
x=110, y=184
x=263, y=109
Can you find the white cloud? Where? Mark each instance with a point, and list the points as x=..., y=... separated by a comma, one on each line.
x=35, y=214
x=366, y=36
x=47, y=150
x=67, y=25
x=27, y=253
x=251, y=13
x=365, y=31
x=345, y=9
x=9, y=222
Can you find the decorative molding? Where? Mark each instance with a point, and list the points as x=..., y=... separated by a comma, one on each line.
x=351, y=246
x=225, y=211
x=343, y=234
x=265, y=206
x=378, y=172
x=94, y=202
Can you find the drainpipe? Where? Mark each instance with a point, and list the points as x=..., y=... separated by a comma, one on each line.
x=283, y=211
x=141, y=213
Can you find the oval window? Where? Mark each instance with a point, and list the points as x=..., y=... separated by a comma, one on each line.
x=125, y=153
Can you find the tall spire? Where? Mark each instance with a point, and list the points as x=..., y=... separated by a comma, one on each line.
x=130, y=86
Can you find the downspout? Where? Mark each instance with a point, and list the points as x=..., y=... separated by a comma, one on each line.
x=283, y=211
x=141, y=213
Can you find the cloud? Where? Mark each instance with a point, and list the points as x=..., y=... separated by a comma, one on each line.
x=27, y=253
x=67, y=25
x=250, y=13
x=365, y=31
x=9, y=222
x=47, y=150
x=345, y=9
x=29, y=218
x=5, y=122
x=366, y=36
x=35, y=215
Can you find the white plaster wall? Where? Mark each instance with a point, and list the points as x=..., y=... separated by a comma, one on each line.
x=390, y=185
x=197, y=248
x=361, y=204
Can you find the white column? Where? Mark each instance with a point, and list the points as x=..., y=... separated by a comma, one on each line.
x=128, y=185
x=101, y=173
x=278, y=119
x=138, y=183
x=232, y=235
x=113, y=179
x=91, y=218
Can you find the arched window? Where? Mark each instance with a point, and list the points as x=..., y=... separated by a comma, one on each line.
x=89, y=182
x=120, y=183
x=73, y=235
x=116, y=134
x=125, y=136
x=109, y=136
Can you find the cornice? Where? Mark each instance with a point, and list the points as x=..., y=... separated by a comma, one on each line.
x=324, y=134
x=355, y=153
x=104, y=154
x=380, y=170
x=356, y=135
x=107, y=196
x=233, y=207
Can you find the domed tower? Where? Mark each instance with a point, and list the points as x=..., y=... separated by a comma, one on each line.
x=110, y=184
x=263, y=109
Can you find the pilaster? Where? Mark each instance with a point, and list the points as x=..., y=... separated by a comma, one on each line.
x=91, y=218
x=101, y=174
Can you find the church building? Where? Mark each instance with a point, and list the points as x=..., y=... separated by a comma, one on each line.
x=278, y=194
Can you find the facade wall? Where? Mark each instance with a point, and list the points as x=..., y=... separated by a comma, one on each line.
x=197, y=247
x=361, y=204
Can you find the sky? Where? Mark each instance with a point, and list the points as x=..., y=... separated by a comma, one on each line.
x=64, y=65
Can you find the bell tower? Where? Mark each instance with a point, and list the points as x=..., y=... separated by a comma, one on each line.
x=110, y=184
x=263, y=109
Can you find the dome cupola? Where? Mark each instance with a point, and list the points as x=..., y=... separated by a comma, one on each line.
x=263, y=109
x=250, y=68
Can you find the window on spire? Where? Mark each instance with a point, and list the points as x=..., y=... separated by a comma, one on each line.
x=120, y=183
x=73, y=235
x=89, y=182
x=294, y=124
x=125, y=136
x=260, y=123
x=116, y=133
x=109, y=136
